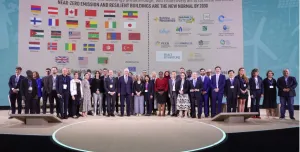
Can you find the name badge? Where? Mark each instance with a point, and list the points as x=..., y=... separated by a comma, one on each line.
x=245, y=85
x=30, y=88
x=232, y=87
x=196, y=90
x=65, y=86
x=110, y=86
x=271, y=87
x=146, y=90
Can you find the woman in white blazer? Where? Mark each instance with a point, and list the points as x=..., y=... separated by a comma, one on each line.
x=77, y=94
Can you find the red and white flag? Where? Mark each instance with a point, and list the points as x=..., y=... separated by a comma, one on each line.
x=71, y=11
x=53, y=10
x=108, y=47
x=127, y=47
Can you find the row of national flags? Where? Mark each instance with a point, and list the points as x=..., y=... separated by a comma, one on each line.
x=91, y=35
x=37, y=9
x=88, y=24
x=72, y=47
x=83, y=61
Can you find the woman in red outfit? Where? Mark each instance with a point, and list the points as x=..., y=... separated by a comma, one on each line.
x=161, y=89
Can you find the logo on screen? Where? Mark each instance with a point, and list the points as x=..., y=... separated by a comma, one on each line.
x=162, y=44
x=206, y=19
x=182, y=44
x=202, y=44
x=204, y=28
x=164, y=31
x=186, y=19
x=164, y=19
x=222, y=19
x=193, y=57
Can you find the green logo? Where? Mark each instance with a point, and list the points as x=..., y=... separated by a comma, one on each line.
x=204, y=28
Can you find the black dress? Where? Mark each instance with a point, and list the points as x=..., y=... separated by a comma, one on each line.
x=243, y=86
x=270, y=94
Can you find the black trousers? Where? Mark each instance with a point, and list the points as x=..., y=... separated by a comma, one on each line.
x=103, y=103
x=64, y=103
x=52, y=95
x=168, y=101
x=75, y=104
x=111, y=100
x=231, y=104
x=38, y=106
x=30, y=104
x=13, y=98
x=149, y=103
x=193, y=101
x=255, y=101
x=117, y=104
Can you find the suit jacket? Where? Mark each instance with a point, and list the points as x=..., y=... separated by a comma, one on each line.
x=125, y=88
x=186, y=86
x=100, y=85
x=11, y=83
x=199, y=86
x=232, y=92
x=59, y=84
x=171, y=86
x=252, y=85
x=138, y=87
x=221, y=83
x=111, y=85
x=150, y=90
x=205, y=84
x=291, y=84
x=48, y=83
x=25, y=86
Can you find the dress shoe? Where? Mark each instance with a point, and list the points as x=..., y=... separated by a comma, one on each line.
x=258, y=117
x=169, y=113
x=281, y=118
x=112, y=115
x=293, y=118
x=253, y=117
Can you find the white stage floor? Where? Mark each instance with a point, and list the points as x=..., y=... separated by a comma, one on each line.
x=87, y=133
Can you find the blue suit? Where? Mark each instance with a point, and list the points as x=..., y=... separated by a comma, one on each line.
x=217, y=97
x=125, y=90
x=15, y=96
x=204, y=97
x=62, y=81
x=256, y=93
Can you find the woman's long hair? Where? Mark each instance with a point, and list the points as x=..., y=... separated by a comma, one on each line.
x=244, y=77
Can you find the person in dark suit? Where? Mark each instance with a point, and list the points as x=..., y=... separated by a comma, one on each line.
x=44, y=93
x=118, y=98
x=38, y=80
x=111, y=89
x=196, y=87
x=97, y=85
x=209, y=75
x=29, y=92
x=172, y=93
x=204, y=93
x=125, y=91
x=231, y=91
x=149, y=93
x=105, y=75
x=286, y=91
x=49, y=89
x=217, y=91
x=181, y=70
x=270, y=94
x=154, y=100
x=256, y=91
x=14, y=88
x=167, y=76
x=63, y=92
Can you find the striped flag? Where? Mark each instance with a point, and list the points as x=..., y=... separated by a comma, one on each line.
x=53, y=10
x=53, y=22
x=74, y=35
x=83, y=61
x=70, y=47
x=37, y=33
x=56, y=34
x=35, y=21
x=93, y=35
x=72, y=23
x=34, y=46
x=36, y=9
x=91, y=24
x=71, y=12
x=109, y=13
x=130, y=14
x=110, y=24
x=52, y=46
x=89, y=47
x=62, y=59
x=113, y=36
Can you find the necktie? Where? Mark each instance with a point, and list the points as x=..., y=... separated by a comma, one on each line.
x=231, y=81
x=126, y=79
x=16, y=80
x=194, y=82
x=173, y=83
x=217, y=81
x=202, y=77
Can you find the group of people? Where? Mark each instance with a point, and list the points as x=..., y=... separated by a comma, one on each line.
x=184, y=95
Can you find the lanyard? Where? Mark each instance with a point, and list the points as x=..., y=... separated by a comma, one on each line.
x=30, y=83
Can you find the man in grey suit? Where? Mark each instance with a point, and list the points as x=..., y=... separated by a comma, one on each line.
x=50, y=88
x=172, y=93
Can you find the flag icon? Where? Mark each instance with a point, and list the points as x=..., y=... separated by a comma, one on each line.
x=109, y=13
x=36, y=9
x=74, y=35
x=130, y=25
x=102, y=60
x=130, y=14
x=72, y=23
x=56, y=34
x=34, y=46
x=71, y=12
x=37, y=33
x=62, y=59
x=91, y=24
x=108, y=47
x=110, y=24
x=70, y=47
x=127, y=47
x=132, y=69
x=134, y=36
x=113, y=36
x=83, y=61
x=52, y=46
x=93, y=35
x=53, y=22
x=91, y=13
x=53, y=10
x=35, y=21
x=89, y=47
